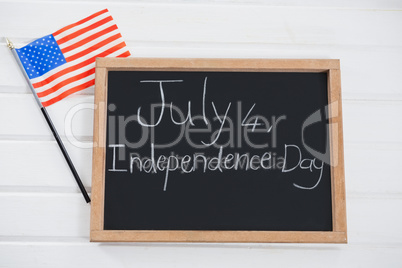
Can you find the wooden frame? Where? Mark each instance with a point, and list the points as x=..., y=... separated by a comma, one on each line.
x=332, y=67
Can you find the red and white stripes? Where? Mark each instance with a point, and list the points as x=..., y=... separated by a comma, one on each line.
x=81, y=43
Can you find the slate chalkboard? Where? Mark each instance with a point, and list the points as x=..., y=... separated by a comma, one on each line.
x=205, y=152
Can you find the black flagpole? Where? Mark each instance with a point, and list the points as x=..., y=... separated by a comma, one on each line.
x=51, y=126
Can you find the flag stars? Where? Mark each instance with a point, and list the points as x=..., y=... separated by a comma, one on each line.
x=41, y=56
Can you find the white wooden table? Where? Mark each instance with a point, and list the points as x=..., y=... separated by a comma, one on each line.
x=44, y=221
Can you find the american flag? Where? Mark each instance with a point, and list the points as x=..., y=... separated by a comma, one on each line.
x=63, y=63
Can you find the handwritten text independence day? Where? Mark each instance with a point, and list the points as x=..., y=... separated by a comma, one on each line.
x=220, y=162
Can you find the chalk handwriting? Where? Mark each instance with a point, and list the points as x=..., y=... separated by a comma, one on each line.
x=220, y=162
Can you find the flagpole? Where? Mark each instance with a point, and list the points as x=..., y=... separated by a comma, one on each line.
x=50, y=124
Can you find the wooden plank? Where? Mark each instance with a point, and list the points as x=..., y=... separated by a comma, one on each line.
x=334, y=111
x=81, y=254
x=27, y=215
x=248, y=23
x=354, y=82
x=40, y=166
x=98, y=162
x=45, y=168
x=219, y=236
x=370, y=121
x=24, y=118
x=372, y=4
x=373, y=167
x=39, y=214
x=72, y=116
x=197, y=64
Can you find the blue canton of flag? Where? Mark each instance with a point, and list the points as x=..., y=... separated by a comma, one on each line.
x=41, y=56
